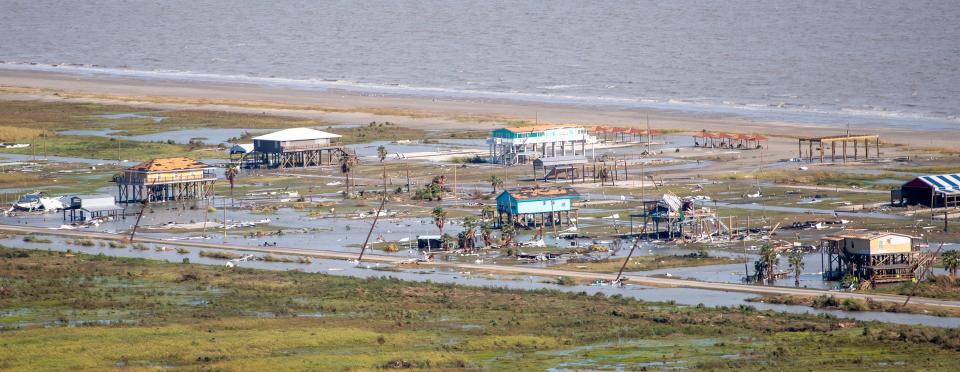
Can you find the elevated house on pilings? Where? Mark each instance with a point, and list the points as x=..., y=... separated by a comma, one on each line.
x=522, y=145
x=876, y=257
x=292, y=148
x=820, y=145
x=536, y=206
x=934, y=191
x=166, y=179
x=674, y=218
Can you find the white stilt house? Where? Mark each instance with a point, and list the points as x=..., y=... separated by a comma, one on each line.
x=521, y=145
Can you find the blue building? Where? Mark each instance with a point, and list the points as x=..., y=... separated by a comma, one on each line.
x=522, y=145
x=532, y=206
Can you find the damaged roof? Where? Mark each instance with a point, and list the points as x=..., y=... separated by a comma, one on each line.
x=540, y=193
x=169, y=164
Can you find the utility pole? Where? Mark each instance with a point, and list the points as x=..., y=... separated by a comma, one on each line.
x=224, y=219
x=206, y=210
x=649, y=135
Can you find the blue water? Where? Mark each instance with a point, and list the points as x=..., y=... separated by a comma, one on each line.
x=881, y=62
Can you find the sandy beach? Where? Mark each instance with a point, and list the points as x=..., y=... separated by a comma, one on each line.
x=337, y=106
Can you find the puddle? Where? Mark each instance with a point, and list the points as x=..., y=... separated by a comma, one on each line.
x=132, y=115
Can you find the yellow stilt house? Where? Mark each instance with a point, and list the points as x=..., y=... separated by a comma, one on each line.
x=166, y=179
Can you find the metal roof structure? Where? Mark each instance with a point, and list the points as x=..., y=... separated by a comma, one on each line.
x=97, y=203
x=943, y=183
x=169, y=164
x=296, y=134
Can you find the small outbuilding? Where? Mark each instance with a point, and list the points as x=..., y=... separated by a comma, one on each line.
x=82, y=207
x=934, y=191
x=429, y=242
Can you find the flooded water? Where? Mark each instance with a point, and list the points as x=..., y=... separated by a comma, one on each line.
x=681, y=296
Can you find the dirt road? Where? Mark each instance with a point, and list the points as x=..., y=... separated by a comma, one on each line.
x=519, y=270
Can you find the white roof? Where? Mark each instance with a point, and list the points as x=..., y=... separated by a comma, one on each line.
x=97, y=203
x=296, y=134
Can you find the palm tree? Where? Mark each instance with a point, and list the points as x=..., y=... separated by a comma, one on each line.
x=382, y=155
x=766, y=266
x=604, y=175
x=796, y=264
x=487, y=212
x=951, y=262
x=233, y=170
x=439, y=217
x=469, y=232
x=496, y=181
x=486, y=233
x=347, y=162
x=506, y=235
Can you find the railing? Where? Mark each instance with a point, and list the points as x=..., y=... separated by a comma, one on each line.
x=311, y=147
x=143, y=180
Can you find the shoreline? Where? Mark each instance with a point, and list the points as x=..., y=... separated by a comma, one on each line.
x=775, y=112
x=413, y=111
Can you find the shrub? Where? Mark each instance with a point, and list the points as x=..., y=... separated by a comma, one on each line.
x=36, y=239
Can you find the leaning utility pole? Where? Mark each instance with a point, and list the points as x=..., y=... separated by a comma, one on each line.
x=383, y=201
x=146, y=200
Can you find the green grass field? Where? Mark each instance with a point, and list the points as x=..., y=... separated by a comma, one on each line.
x=61, y=311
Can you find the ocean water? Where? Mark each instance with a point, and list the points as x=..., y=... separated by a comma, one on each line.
x=875, y=62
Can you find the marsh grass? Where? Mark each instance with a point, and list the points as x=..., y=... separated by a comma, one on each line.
x=36, y=239
x=13, y=134
x=96, y=147
x=642, y=263
x=184, y=316
x=219, y=255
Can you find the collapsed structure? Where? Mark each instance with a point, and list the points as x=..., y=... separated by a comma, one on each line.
x=620, y=135
x=676, y=218
x=525, y=205
x=729, y=140
x=290, y=148
x=166, y=179
x=877, y=257
x=933, y=191
x=521, y=145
